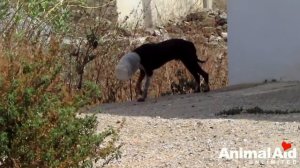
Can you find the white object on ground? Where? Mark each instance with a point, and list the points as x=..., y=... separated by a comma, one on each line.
x=127, y=66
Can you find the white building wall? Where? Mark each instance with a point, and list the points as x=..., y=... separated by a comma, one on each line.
x=208, y=4
x=264, y=40
x=158, y=13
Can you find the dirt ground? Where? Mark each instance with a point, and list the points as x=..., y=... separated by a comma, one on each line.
x=183, y=130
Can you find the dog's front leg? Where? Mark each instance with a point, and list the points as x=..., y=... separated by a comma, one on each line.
x=138, y=87
x=145, y=90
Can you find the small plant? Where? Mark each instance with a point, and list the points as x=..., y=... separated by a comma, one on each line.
x=85, y=53
x=233, y=111
x=257, y=110
x=254, y=110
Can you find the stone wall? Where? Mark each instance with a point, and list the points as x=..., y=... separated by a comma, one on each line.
x=154, y=12
x=149, y=13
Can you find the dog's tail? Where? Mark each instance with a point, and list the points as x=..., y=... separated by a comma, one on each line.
x=201, y=61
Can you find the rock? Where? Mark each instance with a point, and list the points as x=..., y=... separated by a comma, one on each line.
x=213, y=13
x=213, y=40
x=209, y=22
x=157, y=32
x=220, y=56
x=138, y=41
x=166, y=36
x=208, y=31
x=221, y=19
x=223, y=15
x=224, y=35
x=225, y=27
x=198, y=16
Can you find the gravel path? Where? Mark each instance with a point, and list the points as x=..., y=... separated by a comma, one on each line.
x=183, y=131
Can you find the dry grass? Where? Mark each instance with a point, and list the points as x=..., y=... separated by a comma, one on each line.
x=102, y=70
x=114, y=42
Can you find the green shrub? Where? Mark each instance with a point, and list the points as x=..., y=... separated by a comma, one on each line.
x=39, y=126
x=39, y=121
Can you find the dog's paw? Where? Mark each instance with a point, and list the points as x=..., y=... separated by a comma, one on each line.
x=206, y=88
x=196, y=91
x=141, y=99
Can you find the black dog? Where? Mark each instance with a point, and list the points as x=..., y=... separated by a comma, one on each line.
x=149, y=57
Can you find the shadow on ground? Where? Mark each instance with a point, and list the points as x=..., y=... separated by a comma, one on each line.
x=268, y=96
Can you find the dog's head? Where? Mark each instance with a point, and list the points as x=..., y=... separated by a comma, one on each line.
x=127, y=66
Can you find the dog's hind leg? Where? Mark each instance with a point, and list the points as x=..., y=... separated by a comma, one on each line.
x=138, y=87
x=193, y=68
x=206, y=79
x=197, y=79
